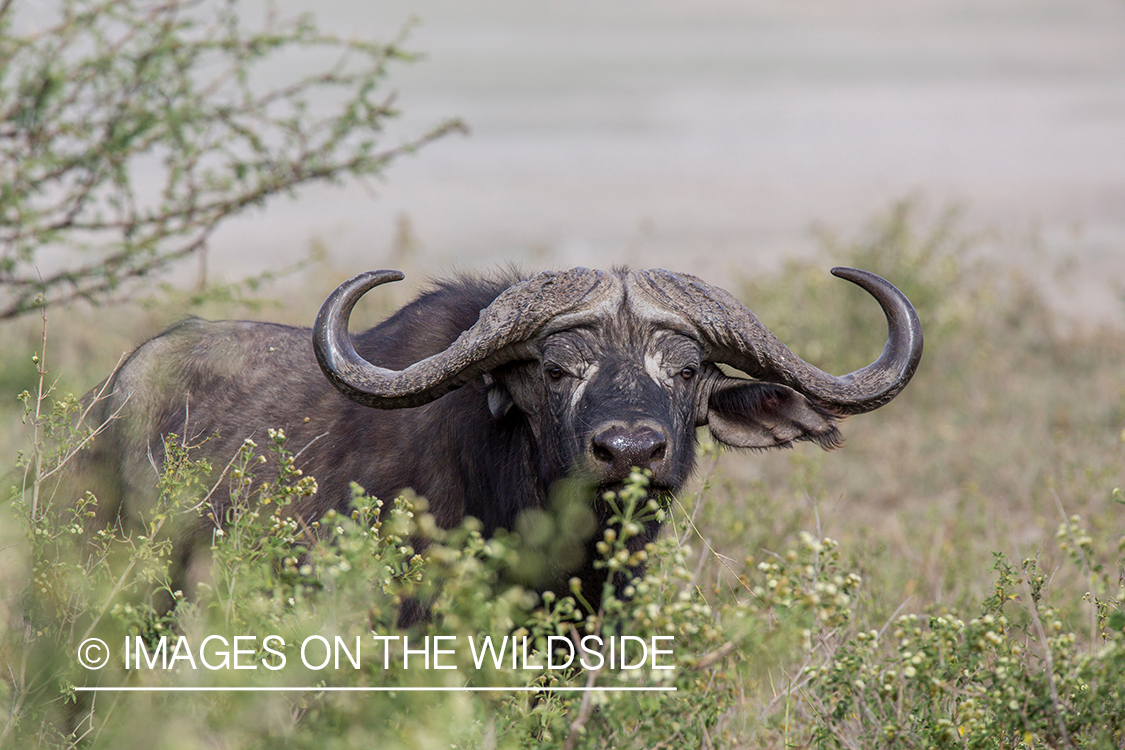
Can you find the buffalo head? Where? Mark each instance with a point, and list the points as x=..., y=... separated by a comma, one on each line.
x=616, y=370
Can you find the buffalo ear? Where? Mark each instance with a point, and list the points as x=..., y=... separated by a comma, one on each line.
x=753, y=414
x=499, y=400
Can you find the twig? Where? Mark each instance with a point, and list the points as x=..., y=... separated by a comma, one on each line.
x=584, y=711
x=1055, y=703
x=713, y=657
x=1090, y=573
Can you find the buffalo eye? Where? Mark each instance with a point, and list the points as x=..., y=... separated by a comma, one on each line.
x=687, y=373
x=555, y=372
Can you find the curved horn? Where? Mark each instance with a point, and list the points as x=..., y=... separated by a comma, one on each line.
x=500, y=335
x=739, y=339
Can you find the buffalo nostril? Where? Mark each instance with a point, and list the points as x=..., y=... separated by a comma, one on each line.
x=619, y=449
x=602, y=452
x=652, y=448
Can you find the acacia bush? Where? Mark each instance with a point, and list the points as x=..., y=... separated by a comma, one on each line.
x=131, y=129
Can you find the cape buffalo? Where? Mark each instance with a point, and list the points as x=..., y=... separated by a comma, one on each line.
x=484, y=392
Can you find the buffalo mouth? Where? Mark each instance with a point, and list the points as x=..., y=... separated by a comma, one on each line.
x=607, y=496
x=615, y=492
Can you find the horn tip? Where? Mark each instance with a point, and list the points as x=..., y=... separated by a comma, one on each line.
x=368, y=280
x=384, y=275
x=851, y=274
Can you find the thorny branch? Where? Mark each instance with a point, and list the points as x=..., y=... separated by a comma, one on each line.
x=130, y=129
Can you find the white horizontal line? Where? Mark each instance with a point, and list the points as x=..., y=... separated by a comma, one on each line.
x=372, y=689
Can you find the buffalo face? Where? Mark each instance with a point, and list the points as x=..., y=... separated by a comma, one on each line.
x=601, y=403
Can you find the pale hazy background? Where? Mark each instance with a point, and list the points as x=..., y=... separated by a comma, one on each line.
x=713, y=136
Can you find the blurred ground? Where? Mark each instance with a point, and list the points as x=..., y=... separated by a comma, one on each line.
x=714, y=137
